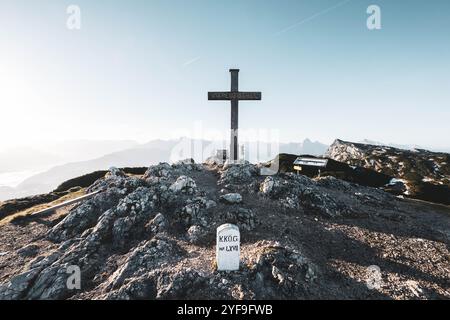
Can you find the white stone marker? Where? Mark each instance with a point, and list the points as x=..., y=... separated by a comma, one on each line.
x=228, y=247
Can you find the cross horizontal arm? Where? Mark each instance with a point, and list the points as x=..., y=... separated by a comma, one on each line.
x=234, y=95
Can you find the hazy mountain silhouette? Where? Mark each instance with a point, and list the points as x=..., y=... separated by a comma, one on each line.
x=36, y=157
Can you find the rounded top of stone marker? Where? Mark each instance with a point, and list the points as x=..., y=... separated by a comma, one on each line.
x=227, y=226
x=234, y=70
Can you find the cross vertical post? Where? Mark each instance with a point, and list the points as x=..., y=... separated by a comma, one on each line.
x=234, y=140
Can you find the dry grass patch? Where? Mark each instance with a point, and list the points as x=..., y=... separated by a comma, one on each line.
x=39, y=207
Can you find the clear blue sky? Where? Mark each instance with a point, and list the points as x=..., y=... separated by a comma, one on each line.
x=141, y=69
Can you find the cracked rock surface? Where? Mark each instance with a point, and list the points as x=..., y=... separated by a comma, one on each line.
x=153, y=237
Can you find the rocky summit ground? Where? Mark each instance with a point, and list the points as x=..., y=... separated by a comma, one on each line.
x=153, y=237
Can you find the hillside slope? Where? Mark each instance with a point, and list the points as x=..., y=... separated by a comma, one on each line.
x=425, y=174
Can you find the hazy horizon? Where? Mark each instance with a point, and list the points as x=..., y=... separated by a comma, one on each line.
x=39, y=145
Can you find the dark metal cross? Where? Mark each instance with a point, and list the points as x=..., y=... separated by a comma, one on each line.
x=234, y=96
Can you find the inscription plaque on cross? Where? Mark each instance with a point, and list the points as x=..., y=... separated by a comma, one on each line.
x=234, y=95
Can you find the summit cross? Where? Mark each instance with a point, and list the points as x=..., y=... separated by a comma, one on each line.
x=234, y=95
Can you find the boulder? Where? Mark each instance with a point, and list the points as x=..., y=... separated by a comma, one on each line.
x=195, y=233
x=280, y=271
x=30, y=250
x=268, y=185
x=184, y=184
x=231, y=198
x=195, y=212
x=114, y=172
x=245, y=219
x=323, y=204
x=237, y=174
x=162, y=170
x=157, y=225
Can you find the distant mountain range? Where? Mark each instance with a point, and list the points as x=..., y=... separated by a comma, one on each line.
x=403, y=146
x=124, y=154
x=35, y=158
